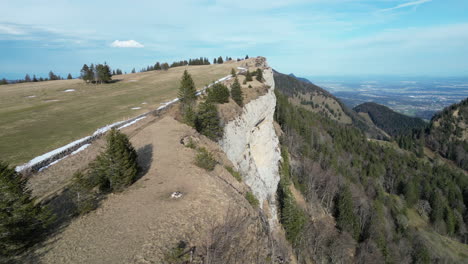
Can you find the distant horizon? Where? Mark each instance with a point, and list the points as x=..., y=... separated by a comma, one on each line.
x=321, y=38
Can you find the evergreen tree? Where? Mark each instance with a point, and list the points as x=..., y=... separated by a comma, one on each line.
x=233, y=72
x=236, y=92
x=215, y=61
x=218, y=93
x=157, y=66
x=133, y=70
x=53, y=77
x=248, y=76
x=117, y=167
x=69, y=77
x=259, y=75
x=86, y=73
x=187, y=97
x=27, y=78
x=346, y=220
x=437, y=205
x=207, y=121
x=220, y=60
x=165, y=66
x=34, y=78
x=3, y=81
x=246, y=57
x=22, y=221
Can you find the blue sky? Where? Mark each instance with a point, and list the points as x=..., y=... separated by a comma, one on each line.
x=309, y=38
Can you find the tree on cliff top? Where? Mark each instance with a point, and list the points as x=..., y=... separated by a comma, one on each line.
x=236, y=92
x=187, y=96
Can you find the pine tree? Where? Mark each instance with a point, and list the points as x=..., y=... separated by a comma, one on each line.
x=207, y=121
x=157, y=66
x=220, y=60
x=259, y=74
x=22, y=221
x=187, y=97
x=3, y=81
x=218, y=93
x=69, y=77
x=133, y=70
x=246, y=57
x=236, y=92
x=34, y=78
x=27, y=78
x=215, y=61
x=248, y=76
x=165, y=66
x=346, y=220
x=233, y=72
x=117, y=167
x=87, y=73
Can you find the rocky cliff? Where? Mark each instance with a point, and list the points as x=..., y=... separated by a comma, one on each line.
x=250, y=142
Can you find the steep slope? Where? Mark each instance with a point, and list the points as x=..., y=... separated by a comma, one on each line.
x=300, y=78
x=361, y=195
x=318, y=100
x=448, y=133
x=391, y=122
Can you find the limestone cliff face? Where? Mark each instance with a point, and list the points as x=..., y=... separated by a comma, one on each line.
x=250, y=142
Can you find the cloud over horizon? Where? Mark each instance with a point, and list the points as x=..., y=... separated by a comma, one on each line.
x=126, y=44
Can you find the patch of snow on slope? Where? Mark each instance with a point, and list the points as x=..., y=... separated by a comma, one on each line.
x=69, y=90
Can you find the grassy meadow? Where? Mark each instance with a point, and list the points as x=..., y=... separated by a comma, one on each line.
x=38, y=117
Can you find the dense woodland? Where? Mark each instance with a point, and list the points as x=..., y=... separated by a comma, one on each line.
x=393, y=123
x=372, y=191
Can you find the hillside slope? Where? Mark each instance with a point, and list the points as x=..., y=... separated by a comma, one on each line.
x=448, y=133
x=391, y=122
x=318, y=100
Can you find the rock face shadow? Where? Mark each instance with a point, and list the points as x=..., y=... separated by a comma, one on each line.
x=145, y=158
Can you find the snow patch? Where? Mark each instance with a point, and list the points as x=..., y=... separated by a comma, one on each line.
x=133, y=122
x=136, y=108
x=81, y=149
x=31, y=96
x=144, y=103
x=69, y=90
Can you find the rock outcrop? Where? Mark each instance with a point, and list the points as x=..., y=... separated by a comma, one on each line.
x=250, y=142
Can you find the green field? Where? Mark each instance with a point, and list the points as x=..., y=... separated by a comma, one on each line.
x=38, y=117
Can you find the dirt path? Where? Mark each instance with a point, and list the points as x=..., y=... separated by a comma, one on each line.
x=137, y=225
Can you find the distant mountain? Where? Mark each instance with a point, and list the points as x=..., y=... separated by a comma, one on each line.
x=393, y=123
x=318, y=100
x=448, y=133
x=300, y=78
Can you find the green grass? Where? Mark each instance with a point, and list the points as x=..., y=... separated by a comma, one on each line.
x=32, y=126
x=204, y=159
x=234, y=173
x=252, y=199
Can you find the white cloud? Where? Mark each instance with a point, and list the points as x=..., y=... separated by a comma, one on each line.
x=126, y=44
x=11, y=30
x=414, y=3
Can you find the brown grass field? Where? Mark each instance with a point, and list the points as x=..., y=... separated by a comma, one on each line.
x=38, y=117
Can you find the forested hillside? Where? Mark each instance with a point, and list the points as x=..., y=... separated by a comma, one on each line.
x=448, y=133
x=308, y=92
x=393, y=123
x=379, y=204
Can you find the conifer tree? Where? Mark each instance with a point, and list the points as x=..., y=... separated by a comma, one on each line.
x=3, y=81
x=69, y=77
x=259, y=76
x=346, y=220
x=220, y=60
x=87, y=73
x=133, y=70
x=157, y=66
x=22, y=221
x=246, y=57
x=187, y=97
x=218, y=93
x=117, y=167
x=236, y=92
x=34, y=78
x=27, y=78
x=215, y=61
x=248, y=76
x=207, y=121
x=233, y=72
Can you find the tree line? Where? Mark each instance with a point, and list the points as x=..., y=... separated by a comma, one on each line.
x=27, y=78
x=98, y=73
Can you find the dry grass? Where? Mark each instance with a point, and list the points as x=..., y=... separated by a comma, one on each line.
x=31, y=126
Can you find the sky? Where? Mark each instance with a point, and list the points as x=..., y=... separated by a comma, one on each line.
x=307, y=38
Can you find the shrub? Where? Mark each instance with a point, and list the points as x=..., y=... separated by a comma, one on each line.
x=205, y=159
x=117, y=166
x=207, y=121
x=236, y=92
x=234, y=173
x=219, y=94
x=22, y=221
x=252, y=199
x=233, y=73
